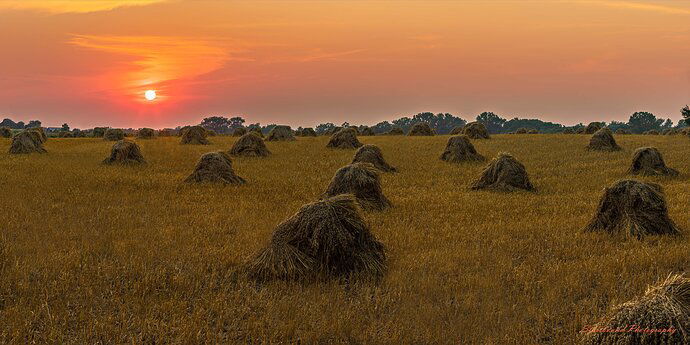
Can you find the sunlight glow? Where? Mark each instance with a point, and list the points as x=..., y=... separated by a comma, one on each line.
x=150, y=95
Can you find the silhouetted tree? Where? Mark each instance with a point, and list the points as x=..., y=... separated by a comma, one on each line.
x=541, y=126
x=236, y=122
x=218, y=124
x=615, y=125
x=404, y=122
x=442, y=123
x=643, y=121
x=65, y=127
x=382, y=127
x=323, y=127
x=493, y=122
x=267, y=128
x=686, y=114
x=8, y=123
x=667, y=124
x=34, y=124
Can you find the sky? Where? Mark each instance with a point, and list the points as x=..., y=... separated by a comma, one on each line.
x=89, y=62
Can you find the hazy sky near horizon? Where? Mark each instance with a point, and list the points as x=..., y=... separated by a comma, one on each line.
x=88, y=63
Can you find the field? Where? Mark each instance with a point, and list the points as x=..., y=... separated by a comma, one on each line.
x=105, y=254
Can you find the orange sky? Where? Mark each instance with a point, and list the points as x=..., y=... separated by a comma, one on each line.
x=88, y=62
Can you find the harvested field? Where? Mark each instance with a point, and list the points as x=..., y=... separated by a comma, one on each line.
x=137, y=256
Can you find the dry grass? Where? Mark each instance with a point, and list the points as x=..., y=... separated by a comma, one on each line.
x=92, y=254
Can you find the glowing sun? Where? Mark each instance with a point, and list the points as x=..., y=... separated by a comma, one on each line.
x=150, y=95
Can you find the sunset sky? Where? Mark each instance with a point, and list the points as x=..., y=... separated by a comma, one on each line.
x=89, y=62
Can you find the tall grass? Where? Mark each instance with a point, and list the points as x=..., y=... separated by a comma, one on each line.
x=92, y=253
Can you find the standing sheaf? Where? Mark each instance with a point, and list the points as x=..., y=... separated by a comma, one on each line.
x=214, y=167
x=27, y=142
x=649, y=161
x=373, y=155
x=194, y=135
x=249, y=145
x=420, y=129
x=602, y=140
x=363, y=181
x=325, y=239
x=504, y=173
x=281, y=133
x=344, y=139
x=125, y=152
x=635, y=208
x=460, y=149
x=476, y=130
x=664, y=308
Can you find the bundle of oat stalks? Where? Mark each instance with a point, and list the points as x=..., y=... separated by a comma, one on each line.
x=195, y=135
x=504, y=173
x=344, y=139
x=250, y=145
x=635, y=208
x=660, y=317
x=125, y=152
x=214, y=167
x=373, y=155
x=325, y=239
x=363, y=181
x=476, y=130
x=460, y=149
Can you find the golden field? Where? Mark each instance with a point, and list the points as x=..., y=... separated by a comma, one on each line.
x=109, y=254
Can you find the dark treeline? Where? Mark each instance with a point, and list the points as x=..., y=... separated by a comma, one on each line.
x=19, y=125
x=442, y=123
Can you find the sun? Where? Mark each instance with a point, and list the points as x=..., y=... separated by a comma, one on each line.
x=150, y=95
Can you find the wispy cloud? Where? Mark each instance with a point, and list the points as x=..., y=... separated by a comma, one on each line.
x=643, y=6
x=318, y=55
x=77, y=6
x=157, y=60
x=602, y=63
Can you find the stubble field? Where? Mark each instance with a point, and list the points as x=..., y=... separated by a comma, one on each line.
x=106, y=254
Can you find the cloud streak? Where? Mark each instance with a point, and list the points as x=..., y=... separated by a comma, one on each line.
x=72, y=6
x=155, y=60
x=632, y=5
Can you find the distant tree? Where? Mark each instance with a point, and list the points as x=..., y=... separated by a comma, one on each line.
x=686, y=114
x=21, y=125
x=65, y=127
x=323, y=127
x=253, y=125
x=643, y=121
x=404, y=122
x=267, y=128
x=98, y=132
x=442, y=123
x=382, y=127
x=345, y=124
x=615, y=125
x=236, y=122
x=217, y=124
x=543, y=127
x=8, y=123
x=493, y=122
x=34, y=124
x=667, y=124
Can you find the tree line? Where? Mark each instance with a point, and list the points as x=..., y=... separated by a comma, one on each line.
x=442, y=123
